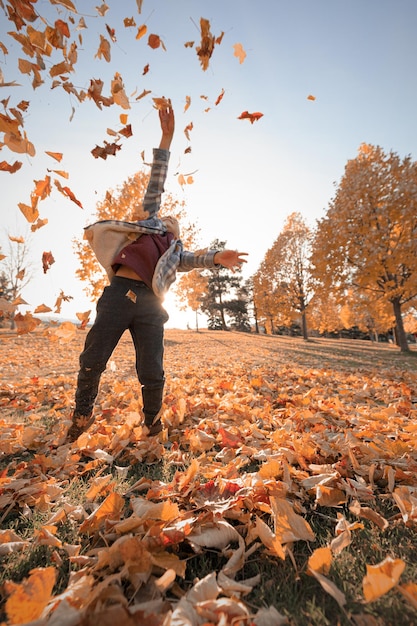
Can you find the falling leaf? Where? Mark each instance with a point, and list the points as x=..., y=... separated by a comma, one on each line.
x=43, y=188
x=26, y=323
x=16, y=239
x=208, y=41
x=42, y=308
x=55, y=155
x=188, y=129
x=31, y=213
x=84, y=318
x=239, y=52
x=154, y=42
x=187, y=103
x=118, y=92
x=219, y=97
x=104, y=49
x=11, y=168
x=310, y=97
x=161, y=103
x=104, y=151
x=111, y=32
x=252, y=117
x=142, y=30
x=66, y=191
x=47, y=261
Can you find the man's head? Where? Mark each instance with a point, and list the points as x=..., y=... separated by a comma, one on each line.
x=171, y=224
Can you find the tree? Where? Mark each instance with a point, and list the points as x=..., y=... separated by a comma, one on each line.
x=16, y=272
x=359, y=310
x=193, y=287
x=286, y=272
x=367, y=238
x=122, y=204
x=221, y=284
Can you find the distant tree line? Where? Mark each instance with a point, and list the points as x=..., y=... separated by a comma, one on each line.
x=353, y=275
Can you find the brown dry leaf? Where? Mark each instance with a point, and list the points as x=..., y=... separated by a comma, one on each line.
x=42, y=308
x=154, y=42
x=47, y=261
x=26, y=323
x=66, y=191
x=208, y=41
x=161, y=103
x=103, y=50
x=310, y=97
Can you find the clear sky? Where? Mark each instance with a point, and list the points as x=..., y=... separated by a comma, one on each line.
x=357, y=57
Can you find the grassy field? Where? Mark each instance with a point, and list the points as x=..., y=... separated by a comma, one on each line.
x=283, y=489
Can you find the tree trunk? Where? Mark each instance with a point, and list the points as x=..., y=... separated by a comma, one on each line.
x=401, y=337
x=304, y=325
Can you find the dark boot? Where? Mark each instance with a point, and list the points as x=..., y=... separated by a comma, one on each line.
x=152, y=403
x=80, y=423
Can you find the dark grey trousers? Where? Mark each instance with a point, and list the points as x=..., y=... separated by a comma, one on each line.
x=117, y=311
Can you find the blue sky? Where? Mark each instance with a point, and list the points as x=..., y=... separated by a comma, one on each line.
x=357, y=57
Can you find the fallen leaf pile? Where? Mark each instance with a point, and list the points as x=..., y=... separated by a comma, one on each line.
x=263, y=437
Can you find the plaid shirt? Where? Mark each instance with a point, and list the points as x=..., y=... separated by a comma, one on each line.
x=108, y=237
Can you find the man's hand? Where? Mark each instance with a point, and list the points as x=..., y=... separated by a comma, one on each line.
x=167, y=120
x=230, y=258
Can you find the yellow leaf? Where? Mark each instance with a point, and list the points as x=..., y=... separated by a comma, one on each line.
x=409, y=591
x=110, y=509
x=321, y=560
x=27, y=600
x=289, y=526
x=381, y=578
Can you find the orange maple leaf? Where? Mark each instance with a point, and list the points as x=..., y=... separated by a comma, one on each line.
x=252, y=117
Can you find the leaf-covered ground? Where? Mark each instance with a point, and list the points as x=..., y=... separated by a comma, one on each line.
x=283, y=489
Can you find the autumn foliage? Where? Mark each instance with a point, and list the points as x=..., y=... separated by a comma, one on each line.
x=284, y=475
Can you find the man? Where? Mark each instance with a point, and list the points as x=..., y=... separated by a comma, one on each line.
x=141, y=259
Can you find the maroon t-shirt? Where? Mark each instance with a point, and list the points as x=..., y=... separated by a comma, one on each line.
x=143, y=254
